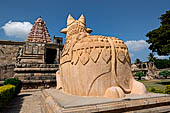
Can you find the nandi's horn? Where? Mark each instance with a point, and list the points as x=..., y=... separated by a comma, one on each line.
x=70, y=19
x=82, y=19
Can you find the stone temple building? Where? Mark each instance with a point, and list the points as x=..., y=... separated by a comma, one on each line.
x=8, y=53
x=34, y=61
x=148, y=68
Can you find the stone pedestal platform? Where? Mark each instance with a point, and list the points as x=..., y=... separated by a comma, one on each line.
x=55, y=101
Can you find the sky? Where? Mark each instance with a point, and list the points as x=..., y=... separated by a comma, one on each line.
x=128, y=20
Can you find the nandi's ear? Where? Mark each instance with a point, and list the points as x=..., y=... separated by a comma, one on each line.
x=89, y=30
x=82, y=19
x=70, y=19
x=64, y=30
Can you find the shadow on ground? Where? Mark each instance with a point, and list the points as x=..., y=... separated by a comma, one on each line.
x=15, y=105
x=164, y=83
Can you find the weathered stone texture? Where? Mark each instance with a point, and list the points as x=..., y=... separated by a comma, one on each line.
x=37, y=65
x=58, y=102
x=8, y=51
x=39, y=32
x=6, y=71
x=95, y=65
x=31, y=53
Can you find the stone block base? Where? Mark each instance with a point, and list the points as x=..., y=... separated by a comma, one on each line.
x=36, y=76
x=38, y=84
x=55, y=101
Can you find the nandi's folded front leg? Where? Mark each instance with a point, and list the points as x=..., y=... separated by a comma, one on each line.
x=138, y=88
x=114, y=92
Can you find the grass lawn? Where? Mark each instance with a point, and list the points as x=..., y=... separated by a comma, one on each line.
x=156, y=83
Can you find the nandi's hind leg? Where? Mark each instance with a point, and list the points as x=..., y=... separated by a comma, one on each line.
x=114, y=92
x=138, y=88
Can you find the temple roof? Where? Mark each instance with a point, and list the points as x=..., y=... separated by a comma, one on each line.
x=39, y=32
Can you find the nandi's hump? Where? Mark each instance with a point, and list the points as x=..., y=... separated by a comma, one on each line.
x=99, y=41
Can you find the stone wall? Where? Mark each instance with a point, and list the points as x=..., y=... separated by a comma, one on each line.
x=8, y=52
x=6, y=71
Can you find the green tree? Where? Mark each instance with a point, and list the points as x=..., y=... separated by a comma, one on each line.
x=159, y=39
x=151, y=57
x=137, y=61
x=164, y=73
x=162, y=63
x=139, y=75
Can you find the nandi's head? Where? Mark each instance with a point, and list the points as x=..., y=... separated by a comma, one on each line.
x=75, y=26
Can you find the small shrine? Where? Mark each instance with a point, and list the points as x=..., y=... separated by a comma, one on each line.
x=37, y=61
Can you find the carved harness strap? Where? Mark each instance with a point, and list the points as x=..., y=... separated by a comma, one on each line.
x=113, y=66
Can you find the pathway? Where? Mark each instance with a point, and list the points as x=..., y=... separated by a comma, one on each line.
x=26, y=102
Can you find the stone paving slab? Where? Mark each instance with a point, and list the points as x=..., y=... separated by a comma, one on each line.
x=25, y=102
x=67, y=100
x=34, y=101
x=57, y=102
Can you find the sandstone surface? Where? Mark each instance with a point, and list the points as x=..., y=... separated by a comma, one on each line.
x=95, y=65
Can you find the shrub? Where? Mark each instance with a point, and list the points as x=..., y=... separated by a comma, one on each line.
x=15, y=82
x=164, y=73
x=162, y=63
x=167, y=89
x=140, y=75
x=7, y=92
x=155, y=90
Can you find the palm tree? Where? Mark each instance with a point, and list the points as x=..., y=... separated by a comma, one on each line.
x=137, y=61
x=151, y=57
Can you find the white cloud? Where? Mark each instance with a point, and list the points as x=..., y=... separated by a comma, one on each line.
x=134, y=45
x=17, y=29
x=162, y=57
x=138, y=49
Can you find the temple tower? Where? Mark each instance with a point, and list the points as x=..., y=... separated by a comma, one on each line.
x=39, y=32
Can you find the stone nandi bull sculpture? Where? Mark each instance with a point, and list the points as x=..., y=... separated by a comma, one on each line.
x=95, y=65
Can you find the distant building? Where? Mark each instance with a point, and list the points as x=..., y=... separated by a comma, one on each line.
x=148, y=68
